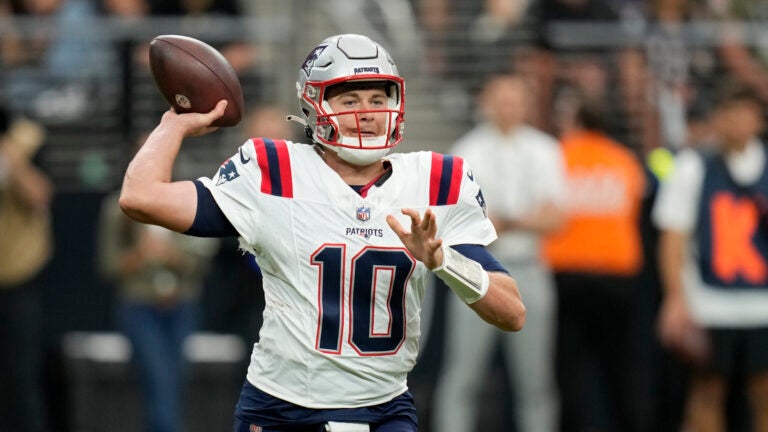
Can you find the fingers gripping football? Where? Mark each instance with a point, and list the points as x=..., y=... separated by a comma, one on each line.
x=420, y=240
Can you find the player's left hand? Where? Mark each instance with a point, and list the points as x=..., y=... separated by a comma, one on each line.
x=420, y=241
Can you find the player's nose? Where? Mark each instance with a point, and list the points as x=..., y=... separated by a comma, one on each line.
x=365, y=115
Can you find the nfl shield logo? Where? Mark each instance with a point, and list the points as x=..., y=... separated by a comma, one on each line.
x=363, y=214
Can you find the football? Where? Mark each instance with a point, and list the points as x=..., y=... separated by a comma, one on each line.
x=193, y=76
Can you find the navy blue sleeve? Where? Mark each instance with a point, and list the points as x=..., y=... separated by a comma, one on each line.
x=479, y=253
x=209, y=219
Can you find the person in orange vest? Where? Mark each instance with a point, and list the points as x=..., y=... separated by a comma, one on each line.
x=713, y=260
x=597, y=257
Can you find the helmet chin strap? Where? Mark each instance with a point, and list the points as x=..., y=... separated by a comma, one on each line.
x=358, y=156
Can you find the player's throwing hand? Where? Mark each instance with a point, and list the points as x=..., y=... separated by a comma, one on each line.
x=195, y=124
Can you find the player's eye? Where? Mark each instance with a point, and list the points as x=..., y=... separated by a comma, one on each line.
x=349, y=102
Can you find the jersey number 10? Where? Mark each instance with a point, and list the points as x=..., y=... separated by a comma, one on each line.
x=366, y=267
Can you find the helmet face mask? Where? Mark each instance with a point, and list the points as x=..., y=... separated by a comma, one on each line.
x=351, y=62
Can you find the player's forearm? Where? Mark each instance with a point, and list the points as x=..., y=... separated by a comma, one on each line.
x=147, y=194
x=502, y=305
x=671, y=262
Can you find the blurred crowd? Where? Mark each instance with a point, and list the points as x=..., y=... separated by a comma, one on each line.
x=619, y=143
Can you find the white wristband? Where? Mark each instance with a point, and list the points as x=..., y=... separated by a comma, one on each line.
x=465, y=277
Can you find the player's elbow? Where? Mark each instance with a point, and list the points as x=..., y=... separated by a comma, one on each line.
x=133, y=204
x=506, y=311
x=519, y=322
x=514, y=320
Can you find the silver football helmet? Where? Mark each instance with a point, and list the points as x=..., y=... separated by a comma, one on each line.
x=355, y=59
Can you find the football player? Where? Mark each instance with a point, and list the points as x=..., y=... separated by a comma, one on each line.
x=347, y=238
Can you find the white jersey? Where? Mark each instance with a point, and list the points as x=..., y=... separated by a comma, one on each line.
x=343, y=295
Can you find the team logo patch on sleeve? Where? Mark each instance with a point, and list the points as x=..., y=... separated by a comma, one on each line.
x=227, y=172
x=481, y=202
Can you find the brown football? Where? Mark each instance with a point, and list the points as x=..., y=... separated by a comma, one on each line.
x=193, y=76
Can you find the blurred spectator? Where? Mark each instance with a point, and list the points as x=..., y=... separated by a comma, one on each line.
x=126, y=17
x=478, y=39
x=467, y=41
x=193, y=15
x=436, y=18
x=581, y=43
x=25, y=248
x=159, y=276
x=714, y=264
x=597, y=257
x=127, y=9
x=743, y=49
x=506, y=153
x=681, y=65
x=57, y=56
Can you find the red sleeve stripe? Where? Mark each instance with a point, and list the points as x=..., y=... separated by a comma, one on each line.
x=275, y=165
x=445, y=179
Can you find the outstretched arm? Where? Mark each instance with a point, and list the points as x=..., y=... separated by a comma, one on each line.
x=148, y=194
x=501, y=305
x=676, y=327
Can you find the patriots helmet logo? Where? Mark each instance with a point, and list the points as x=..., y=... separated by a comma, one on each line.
x=227, y=172
x=311, y=58
x=363, y=214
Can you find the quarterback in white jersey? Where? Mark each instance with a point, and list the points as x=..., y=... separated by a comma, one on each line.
x=343, y=277
x=332, y=265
